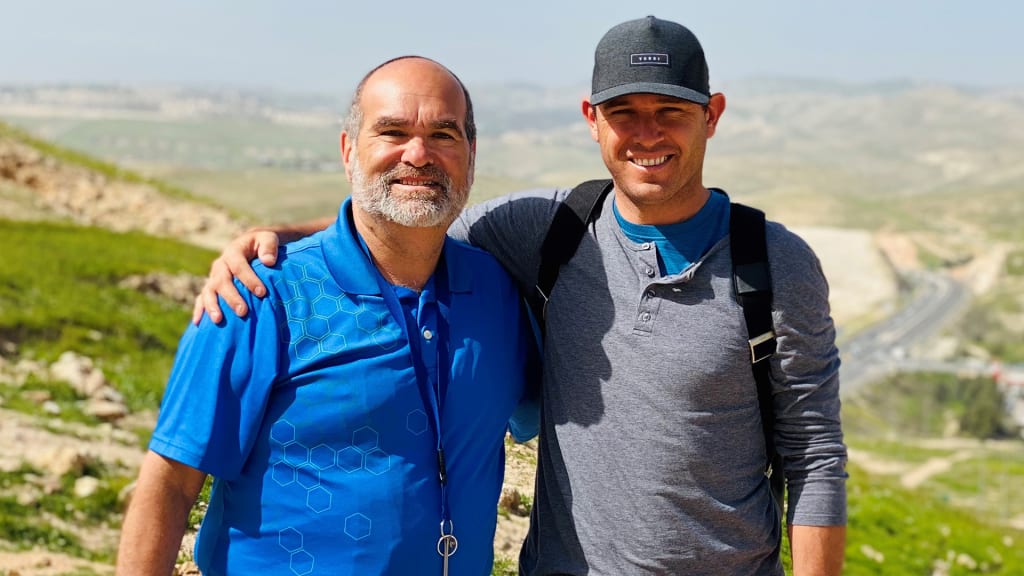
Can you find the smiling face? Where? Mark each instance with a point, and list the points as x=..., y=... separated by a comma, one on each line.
x=411, y=161
x=654, y=148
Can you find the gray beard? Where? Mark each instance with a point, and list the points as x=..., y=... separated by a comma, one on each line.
x=373, y=196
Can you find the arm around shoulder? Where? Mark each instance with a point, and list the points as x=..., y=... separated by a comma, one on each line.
x=233, y=262
x=156, y=519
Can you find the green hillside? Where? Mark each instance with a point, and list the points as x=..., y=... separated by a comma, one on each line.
x=59, y=291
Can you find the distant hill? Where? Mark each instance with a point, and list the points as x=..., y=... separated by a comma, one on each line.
x=936, y=163
x=812, y=141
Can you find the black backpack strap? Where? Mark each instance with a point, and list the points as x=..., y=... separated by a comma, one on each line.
x=573, y=215
x=753, y=286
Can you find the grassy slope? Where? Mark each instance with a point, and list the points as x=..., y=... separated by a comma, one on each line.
x=913, y=530
x=59, y=292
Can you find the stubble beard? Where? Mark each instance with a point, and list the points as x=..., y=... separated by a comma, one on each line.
x=373, y=196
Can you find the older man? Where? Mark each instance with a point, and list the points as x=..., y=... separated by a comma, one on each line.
x=354, y=421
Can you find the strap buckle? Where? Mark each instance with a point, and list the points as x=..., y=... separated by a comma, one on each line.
x=762, y=346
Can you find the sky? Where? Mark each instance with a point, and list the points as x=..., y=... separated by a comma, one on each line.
x=325, y=46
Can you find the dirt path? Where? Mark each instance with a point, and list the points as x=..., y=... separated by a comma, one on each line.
x=932, y=467
x=914, y=475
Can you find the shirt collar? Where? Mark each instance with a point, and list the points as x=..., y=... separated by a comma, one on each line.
x=355, y=273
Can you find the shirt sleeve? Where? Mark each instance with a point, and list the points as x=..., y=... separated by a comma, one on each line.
x=217, y=391
x=805, y=375
x=512, y=229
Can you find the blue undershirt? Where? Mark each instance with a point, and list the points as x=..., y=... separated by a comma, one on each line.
x=682, y=243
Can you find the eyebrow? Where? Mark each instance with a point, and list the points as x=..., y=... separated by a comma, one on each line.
x=447, y=125
x=394, y=122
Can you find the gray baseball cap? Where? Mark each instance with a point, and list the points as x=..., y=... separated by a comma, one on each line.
x=650, y=56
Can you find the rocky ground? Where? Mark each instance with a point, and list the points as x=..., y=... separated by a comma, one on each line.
x=34, y=186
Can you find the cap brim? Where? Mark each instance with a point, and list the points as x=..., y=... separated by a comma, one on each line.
x=649, y=88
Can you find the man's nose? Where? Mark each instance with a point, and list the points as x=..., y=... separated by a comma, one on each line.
x=416, y=152
x=647, y=129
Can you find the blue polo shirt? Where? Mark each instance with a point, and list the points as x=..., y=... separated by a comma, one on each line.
x=311, y=418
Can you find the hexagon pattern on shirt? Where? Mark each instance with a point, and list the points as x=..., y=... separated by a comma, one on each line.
x=303, y=466
x=323, y=320
x=320, y=313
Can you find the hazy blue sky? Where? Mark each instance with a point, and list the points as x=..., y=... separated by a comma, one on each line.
x=327, y=45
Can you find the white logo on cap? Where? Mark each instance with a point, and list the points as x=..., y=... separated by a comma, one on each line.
x=648, y=59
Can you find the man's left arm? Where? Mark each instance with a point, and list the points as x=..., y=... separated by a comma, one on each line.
x=157, y=517
x=817, y=550
x=808, y=432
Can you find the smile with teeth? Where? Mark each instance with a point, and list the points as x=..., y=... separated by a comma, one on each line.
x=648, y=162
x=415, y=182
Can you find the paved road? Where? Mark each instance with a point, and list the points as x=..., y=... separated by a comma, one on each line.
x=934, y=301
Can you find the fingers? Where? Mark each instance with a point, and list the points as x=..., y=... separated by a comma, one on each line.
x=197, y=310
x=267, y=243
x=221, y=283
x=234, y=263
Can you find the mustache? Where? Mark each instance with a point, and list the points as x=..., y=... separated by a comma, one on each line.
x=429, y=172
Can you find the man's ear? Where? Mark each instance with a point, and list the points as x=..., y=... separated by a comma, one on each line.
x=714, y=111
x=590, y=113
x=345, y=143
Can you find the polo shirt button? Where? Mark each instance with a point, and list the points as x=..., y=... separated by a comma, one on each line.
x=651, y=293
x=427, y=334
x=646, y=246
x=645, y=317
x=650, y=272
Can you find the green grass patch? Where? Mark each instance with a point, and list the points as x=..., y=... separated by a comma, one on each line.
x=19, y=398
x=914, y=532
x=1015, y=263
x=505, y=566
x=989, y=484
x=27, y=533
x=195, y=515
x=895, y=450
x=59, y=292
x=991, y=322
x=957, y=521
x=25, y=525
x=921, y=404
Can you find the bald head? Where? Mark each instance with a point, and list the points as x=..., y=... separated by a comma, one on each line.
x=404, y=70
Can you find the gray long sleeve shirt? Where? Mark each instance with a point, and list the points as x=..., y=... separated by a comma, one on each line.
x=651, y=449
